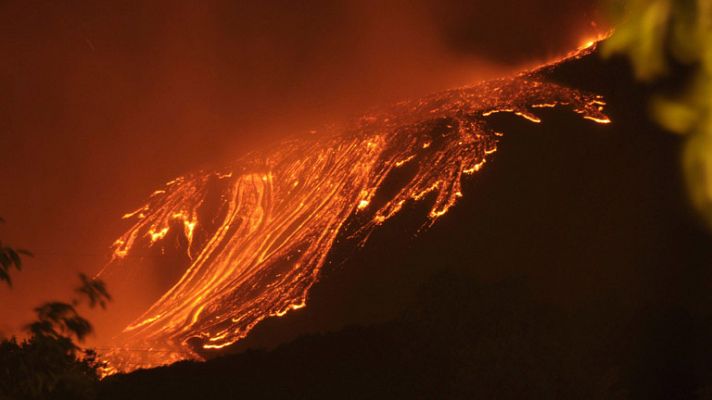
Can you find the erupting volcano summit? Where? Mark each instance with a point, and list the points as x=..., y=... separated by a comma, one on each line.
x=258, y=233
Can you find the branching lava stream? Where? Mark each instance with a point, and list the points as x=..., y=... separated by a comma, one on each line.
x=279, y=212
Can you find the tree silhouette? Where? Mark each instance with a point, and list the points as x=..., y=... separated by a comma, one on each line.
x=9, y=258
x=49, y=364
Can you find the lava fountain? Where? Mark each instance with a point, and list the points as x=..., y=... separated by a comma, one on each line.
x=259, y=246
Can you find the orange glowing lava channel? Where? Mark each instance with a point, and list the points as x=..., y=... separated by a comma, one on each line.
x=279, y=212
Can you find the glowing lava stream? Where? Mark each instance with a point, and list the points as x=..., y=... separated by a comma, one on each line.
x=279, y=212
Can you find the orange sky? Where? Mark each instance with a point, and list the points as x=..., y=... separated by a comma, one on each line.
x=103, y=103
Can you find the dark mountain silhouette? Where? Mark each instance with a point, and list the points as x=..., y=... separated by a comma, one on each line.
x=572, y=268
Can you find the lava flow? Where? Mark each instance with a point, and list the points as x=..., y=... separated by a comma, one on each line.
x=257, y=234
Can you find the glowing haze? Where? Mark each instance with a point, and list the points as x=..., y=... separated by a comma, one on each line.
x=106, y=100
x=258, y=232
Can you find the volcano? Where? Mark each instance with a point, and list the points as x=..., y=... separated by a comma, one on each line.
x=571, y=267
x=573, y=263
x=257, y=234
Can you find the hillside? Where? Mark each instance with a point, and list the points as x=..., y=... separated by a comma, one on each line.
x=571, y=268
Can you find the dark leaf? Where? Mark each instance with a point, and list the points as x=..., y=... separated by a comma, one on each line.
x=79, y=326
x=25, y=252
x=4, y=276
x=94, y=290
x=15, y=258
x=5, y=260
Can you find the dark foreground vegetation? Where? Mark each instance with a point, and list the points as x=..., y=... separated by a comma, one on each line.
x=48, y=363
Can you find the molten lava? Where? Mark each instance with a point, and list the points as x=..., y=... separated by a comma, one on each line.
x=258, y=233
